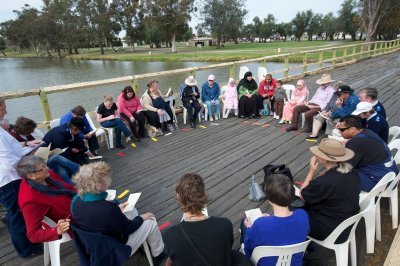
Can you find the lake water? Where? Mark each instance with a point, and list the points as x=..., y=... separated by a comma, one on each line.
x=28, y=73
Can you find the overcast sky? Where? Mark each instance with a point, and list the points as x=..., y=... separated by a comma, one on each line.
x=283, y=10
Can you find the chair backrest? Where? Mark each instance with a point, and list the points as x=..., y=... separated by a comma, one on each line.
x=352, y=221
x=89, y=119
x=261, y=72
x=377, y=190
x=242, y=71
x=55, y=122
x=394, y=132
x=99, y=249
x=37, y=134
x=171, y=100
x=289, y=88
x=395, y=145
x=284, y=253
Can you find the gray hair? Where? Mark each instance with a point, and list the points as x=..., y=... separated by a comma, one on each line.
x=344, y=168
x=93, y=178
x=29, y=164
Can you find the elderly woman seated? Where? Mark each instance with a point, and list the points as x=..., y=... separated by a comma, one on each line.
x=91, y=212
x=199, y=239
x=43, y=193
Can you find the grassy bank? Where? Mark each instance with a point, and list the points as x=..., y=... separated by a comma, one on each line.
x=230, y=52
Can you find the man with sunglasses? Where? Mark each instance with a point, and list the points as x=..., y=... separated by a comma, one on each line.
x=372, y=157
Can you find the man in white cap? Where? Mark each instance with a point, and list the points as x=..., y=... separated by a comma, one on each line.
x=372, y=120
x=317, y=103
x=190, y=95
x=210, y=92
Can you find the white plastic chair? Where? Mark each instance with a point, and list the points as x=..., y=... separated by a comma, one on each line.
x=370, y=206
x=185, y=113
x=261, y=72
x=55, y=123
x=394, y=132
x=51, y=250
x=342, y=250
x=289, y=88
x=110, y=131
x=100, y=132
x=37, y=134
x=148, y=253
x=303, y=116
x=284, y=253
x=242, y=71
x=171, y=100
x=205, y=107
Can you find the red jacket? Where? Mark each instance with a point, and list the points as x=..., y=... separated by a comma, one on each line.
x=264, y=88
x=35, y=205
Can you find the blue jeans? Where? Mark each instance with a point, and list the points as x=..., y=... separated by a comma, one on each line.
x=15, y=221
x=119, y=127
x=209, y=107
x=63, y=167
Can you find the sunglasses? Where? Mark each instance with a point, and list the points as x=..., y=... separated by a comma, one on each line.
x=343, y=129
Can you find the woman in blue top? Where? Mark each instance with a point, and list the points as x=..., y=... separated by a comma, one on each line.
x=283, y=227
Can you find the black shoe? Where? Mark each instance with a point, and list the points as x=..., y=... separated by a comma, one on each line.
x=309, y=137
x=160, y=258
x=291, y=128
x=192, y=125
x=251, y=116
x=120, y=146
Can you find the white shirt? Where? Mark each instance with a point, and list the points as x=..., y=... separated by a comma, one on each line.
x=10, y=154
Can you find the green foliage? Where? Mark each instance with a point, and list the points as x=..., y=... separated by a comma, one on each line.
x=348, y=18
x=301, y=22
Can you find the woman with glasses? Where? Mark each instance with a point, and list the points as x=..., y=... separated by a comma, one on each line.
x=43, y=193
x=299, y=96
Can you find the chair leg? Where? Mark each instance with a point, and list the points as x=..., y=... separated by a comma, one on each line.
x=46, y=254
x=184, y=115
x=378, y=221
x=369, y=219
x=342, y=255
x=106, y=139
x=394, y=203
x=205, y=114
x=54, y=249
x=353, y=251
x=303, y=119
x=148, y=253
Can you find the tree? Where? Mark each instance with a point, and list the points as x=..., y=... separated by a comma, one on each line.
x=284, y=29
x=268, y=27
x=329, y=26
x=127, y=13
x=348, y=18
x=372, y=13
x=315, y=26
x=257, y=27
x=218, y=14
x=389, y=28
x=2, y=46
x=301, y=22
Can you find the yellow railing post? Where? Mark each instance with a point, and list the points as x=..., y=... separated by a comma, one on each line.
x=305, y=66
x=353, y=55
x=193, y=73
x=286, y=72
x=321, y=59
x=369, y=49
x=345, y=55
x=232, y=71
x=334, y=57
x=135, y=86
x=44, y=102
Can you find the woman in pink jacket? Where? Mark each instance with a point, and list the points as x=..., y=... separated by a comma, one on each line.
x=130, y=110
x=299, y=96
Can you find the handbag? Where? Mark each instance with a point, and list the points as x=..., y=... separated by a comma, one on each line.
x=206, y=262
x=256, y=193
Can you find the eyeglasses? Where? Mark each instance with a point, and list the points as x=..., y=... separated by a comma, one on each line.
x=343, y=129
x=211, y=80
x=40, y=170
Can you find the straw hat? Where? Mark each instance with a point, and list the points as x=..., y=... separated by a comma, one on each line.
x=363, y=107
x=326, y=78
x=332, y=150
x=190, y=81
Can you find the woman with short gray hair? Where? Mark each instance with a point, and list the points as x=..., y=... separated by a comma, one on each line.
x=43, y=193
x=91, y=212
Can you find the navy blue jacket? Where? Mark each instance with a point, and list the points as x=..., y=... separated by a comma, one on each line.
x=60, y=137
x=379, y=125
x=380, y=109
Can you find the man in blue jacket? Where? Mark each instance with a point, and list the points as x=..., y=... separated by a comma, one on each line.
x=210, y=92
x=87, y=133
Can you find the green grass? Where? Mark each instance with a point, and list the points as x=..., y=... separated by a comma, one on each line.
x=230, y=52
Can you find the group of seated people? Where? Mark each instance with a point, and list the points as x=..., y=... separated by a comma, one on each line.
x=46, y=188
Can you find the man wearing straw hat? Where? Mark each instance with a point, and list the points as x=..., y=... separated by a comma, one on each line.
x=317, y=103
x=190, y=96
x=333, y=196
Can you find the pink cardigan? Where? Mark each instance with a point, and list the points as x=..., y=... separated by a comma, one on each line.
x=128, y=107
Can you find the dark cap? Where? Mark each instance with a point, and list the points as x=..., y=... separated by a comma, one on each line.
x=343, y=88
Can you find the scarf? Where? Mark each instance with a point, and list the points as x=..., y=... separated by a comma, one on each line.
x=60, y=189
x=249, y=85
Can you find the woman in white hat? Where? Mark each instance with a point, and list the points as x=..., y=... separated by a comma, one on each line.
x=190, y=99
x=333, y=196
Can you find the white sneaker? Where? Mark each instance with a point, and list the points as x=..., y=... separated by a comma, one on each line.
x=211, y=119
x=282, y=121
x=128, y=139
x=277, y=118
x=216, y=117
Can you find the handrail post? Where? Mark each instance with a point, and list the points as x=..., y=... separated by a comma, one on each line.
x=345, y=55
x=193, y=73
x=353, y=55
x=384, y=48
x=232, y=71
x=286, y=73
x=321, y=58
x=305, y=66
x=334, y=57
x=369, y=49
x=135, y=86
x=44, y=102
x=375, y=48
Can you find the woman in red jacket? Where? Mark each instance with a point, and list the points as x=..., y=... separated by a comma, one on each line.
x=43, y=193
x=130, y=110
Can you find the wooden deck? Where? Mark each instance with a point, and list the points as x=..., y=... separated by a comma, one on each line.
x=226, y=155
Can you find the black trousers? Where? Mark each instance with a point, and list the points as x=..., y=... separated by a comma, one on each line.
x=154, y=120
x=189, y=107
x=248, y=106
x=136, y=127
x=93, y=143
